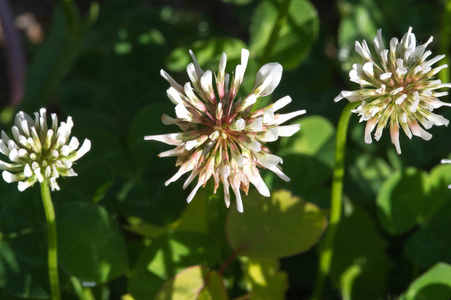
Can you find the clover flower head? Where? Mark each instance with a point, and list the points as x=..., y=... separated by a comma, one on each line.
x=446, y=161
x=397, y=88
x=38, y=152
x=221, y=137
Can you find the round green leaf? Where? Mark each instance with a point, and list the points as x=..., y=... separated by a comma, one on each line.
x=23, y=265
x=279, y=226
x=359, y=257
x=310, y=150
x=369, y=173
x=297, y=33
x=358, y=21
x=194, y=283
x=264, y=279
x=401, y=201
x=143, y=285
x=90, y=245
x=170, y=253
x=432, y=242
x=434, y=284
x=23, y=243
x=207, y=52
x=143, y=154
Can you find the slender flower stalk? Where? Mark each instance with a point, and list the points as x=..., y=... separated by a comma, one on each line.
x=326, y=246
x=52, y=241
x=38, y=152
x=221, y=136
x=397, y=88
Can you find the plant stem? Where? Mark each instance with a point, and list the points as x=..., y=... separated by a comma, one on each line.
x=83, y=293
x=71, y=15
x=283, y=9
x=445, y=33
x=52, y=245
x=326, y=246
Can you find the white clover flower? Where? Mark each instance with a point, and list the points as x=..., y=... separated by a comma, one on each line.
x=398, y=88
x=38, y=152
x=222, y=138
x=446, y=161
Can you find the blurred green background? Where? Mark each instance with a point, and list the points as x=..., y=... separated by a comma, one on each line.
x=124, y=235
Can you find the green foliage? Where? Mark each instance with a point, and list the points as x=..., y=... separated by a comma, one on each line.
x=265, y=279
x=89, y=243
x=434, y=284
x=401, y=201
x=297, y=33
x=360, y=257
x=281, y=226
x=121, y=230
x=194, y=283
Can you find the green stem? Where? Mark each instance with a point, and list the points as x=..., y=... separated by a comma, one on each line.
x=71, y=15
x=445, y=33
x=283, y=9
x=83, y=293
x=52, y=246
x=326, y=246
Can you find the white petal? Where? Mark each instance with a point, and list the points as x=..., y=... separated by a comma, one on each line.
x=268, y=160
x=379, y=42
x=277, y=170
x=82, y=151
x=267, y=79
x=14, y=155
x=5, y=165
x=224, y=170
x=239, y=202
x=171, y=80
x=27, y=171
x=206, y=82
x=352, y=96
x=254, y=146
x=288, y=130
x=281, y=103
x=23, y=185
x=182, y=112
x=268, y=115
x=385, y=76
x=258, y=182
x=249, y=101
x=238, y=125
x=10, y=177
x=193, y=192
x=256, y=125
x=174, y=139
x=177, y=175
x=270, y=135
x=174, y=96
x=282, y=118
x=199, y=71
x=191, y=70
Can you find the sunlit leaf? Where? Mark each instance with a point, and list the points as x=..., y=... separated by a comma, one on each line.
x=279, y=226
x=193, y=283
x=434, y=284
x=308, y=155
x=264, y=279
x=298, y=31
